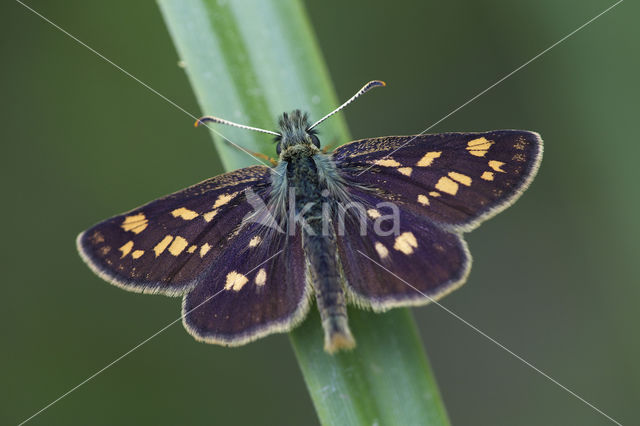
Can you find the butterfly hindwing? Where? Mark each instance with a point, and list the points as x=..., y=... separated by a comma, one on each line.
x=165, y=245
x=257, y=288
x=455, y=179
x=401, y=259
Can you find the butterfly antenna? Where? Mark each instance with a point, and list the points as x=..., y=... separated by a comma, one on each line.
x=211, y=119
x=370, y=85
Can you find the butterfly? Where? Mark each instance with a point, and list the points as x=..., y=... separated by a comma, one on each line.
x=250, y=250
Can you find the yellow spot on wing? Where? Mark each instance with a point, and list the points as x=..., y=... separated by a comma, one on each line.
x=137, y=254
x=125, y=249
x=447, y=185
x=479, y=147
x=423, y=199
x=255, y=241
x=204, y=249
x=224, y=199
x=406, y=242
x=192, y=249
x=97, y=238
x=184, y=213
x=487, y=176
x=434, y=194
x=459, y=177
x=261, y=277
x=520, y=144
x=162, y=245
x=519, y=157
x=475, y=143
x=373, y=213
x=208, y=216
x=496, y=165
x=387, y=162
x=235, y=281
x=135, y=223
x=381, y=249
x=405, y=170
x=428, y=158
x=178, y=245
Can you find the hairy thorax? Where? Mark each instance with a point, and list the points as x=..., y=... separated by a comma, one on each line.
x=302, y=174
x=298, y=152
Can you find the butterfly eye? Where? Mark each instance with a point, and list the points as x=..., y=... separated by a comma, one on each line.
x=315, y=140
x=278, y=147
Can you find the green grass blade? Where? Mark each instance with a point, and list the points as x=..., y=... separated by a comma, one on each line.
x=386, y=380
x=248, y=61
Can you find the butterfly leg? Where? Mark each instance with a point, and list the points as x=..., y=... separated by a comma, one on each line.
x=265, y=157
x=260, y=155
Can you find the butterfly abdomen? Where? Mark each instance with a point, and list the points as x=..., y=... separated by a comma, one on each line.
x=322, y=268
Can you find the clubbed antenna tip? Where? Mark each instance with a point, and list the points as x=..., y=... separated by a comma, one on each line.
x=370, y=85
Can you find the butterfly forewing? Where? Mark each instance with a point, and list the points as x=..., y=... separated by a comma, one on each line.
x=165, y=245
x=454, y=179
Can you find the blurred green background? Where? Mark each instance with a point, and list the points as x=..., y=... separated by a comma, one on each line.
x=554, y=277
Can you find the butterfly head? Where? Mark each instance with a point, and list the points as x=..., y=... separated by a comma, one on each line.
x=295, y=132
